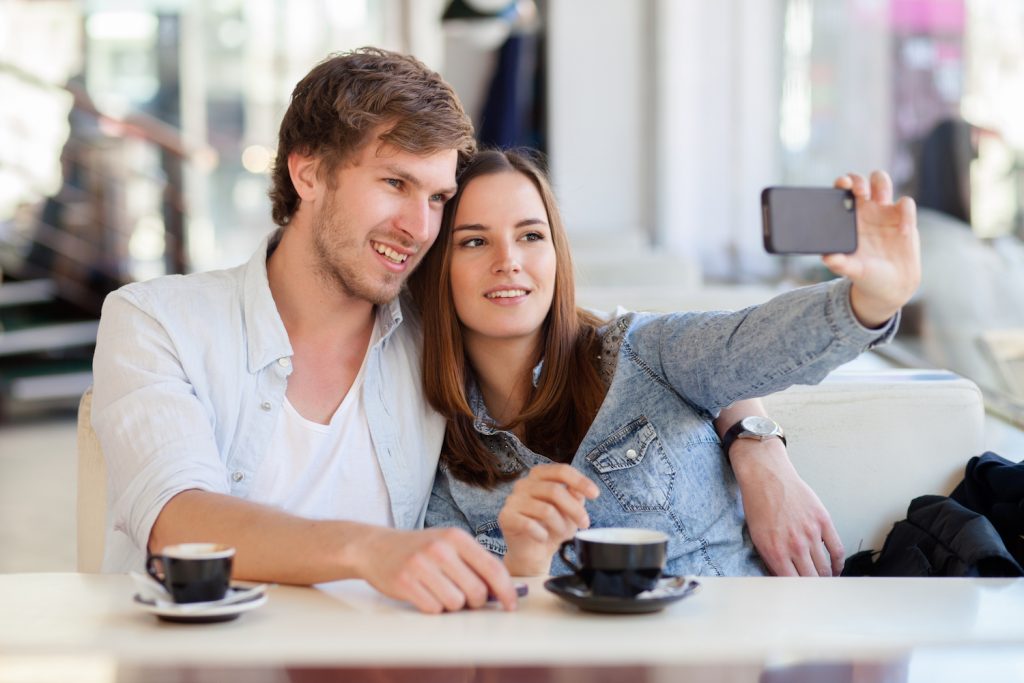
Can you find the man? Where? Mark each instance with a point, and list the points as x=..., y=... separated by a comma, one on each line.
x=217, y=390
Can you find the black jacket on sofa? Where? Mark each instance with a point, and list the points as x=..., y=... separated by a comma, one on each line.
x=994, y=486
x=939, y=537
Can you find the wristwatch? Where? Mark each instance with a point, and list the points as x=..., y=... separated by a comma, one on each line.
x=752, y=427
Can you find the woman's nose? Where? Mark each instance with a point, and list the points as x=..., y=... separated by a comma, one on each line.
x=508, y=261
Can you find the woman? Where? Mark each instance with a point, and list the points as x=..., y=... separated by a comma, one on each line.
x=985, y=299
x=559, y=419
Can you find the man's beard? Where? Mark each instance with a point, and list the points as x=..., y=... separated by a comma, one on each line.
x=340, y=261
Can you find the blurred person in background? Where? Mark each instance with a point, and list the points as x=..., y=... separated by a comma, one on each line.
x=970, y=287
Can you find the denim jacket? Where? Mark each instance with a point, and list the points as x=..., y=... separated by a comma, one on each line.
x=190, y=374
x=652, y=449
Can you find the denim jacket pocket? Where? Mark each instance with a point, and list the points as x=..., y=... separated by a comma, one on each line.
x=490, y=537
x=634, y=467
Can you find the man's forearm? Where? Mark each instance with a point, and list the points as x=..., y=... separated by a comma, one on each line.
x=271, y=545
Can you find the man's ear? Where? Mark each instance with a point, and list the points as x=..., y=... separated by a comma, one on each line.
x=303, y=170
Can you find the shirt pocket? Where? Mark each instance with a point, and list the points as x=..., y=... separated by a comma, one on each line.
x=633, y=465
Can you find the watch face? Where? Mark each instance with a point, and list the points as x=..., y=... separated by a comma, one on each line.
x=762, y=426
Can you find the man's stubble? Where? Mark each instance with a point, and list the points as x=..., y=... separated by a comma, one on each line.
x=341, y=262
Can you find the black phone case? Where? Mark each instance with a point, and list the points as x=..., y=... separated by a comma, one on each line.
x=809, y=220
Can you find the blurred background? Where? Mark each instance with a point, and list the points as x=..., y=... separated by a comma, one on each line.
x=136, y=138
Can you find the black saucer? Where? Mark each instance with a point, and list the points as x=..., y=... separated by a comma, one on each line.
x=211, y=613
x=669, y=589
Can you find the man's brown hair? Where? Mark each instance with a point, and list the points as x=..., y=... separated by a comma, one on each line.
x=565, y=401
x=348, y=95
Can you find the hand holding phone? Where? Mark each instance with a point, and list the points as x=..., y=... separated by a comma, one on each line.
x=809, y=220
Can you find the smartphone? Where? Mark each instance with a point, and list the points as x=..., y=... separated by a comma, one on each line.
x=809, y=220
x=522, y=590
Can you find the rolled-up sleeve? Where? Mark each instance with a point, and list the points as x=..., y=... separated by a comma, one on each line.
x=156, y=434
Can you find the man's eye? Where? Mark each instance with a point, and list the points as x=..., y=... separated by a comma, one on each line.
x=438, y=198
x=393, y=182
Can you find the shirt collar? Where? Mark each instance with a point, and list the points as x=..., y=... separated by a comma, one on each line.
x=266, y=337
x=264, y=329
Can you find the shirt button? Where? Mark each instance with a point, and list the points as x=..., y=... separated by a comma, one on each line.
x=266, y=405
x=631, y=454
x=237, y=476
x=284, y=362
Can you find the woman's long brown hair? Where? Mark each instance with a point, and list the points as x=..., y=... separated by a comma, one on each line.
x=562, y=407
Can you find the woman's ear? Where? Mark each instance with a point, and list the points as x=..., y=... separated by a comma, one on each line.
x=303, y=170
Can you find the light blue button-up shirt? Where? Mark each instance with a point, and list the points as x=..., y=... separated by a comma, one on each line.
x=190, y=373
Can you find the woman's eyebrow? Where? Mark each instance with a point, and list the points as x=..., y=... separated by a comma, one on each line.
x=526, y=222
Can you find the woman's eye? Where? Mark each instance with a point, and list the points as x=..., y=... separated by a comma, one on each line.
x=533, y=237
x=472, y=242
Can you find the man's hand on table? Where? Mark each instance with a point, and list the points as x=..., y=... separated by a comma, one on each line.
x=436, y=569
x=789, y=526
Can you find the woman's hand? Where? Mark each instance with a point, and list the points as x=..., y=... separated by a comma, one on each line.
x=788, y=524
x=545, y=508
x=886, y=268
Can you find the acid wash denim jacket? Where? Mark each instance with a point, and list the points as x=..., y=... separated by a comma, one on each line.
x=652, y=449
x=190, y=374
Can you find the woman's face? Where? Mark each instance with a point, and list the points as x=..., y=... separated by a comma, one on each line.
x=503, y=261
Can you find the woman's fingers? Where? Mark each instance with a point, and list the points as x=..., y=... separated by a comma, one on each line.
x=556, y=525
x=548, y=504
x=881, y=187
x=514, y=522
x=566, y=475
x=560, y=499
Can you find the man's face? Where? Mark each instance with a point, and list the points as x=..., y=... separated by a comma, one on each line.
x=371, y=231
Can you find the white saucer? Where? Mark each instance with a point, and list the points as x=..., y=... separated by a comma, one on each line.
x=210, y=613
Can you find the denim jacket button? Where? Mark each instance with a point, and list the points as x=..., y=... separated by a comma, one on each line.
x=631, y=454
x=237, y=476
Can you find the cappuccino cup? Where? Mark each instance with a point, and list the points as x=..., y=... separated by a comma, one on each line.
x=193, y=572
x=617, y=562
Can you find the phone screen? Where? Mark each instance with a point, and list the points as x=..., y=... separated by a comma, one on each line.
x=809, y=220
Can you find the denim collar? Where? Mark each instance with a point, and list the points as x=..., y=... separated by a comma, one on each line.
x=483, y=421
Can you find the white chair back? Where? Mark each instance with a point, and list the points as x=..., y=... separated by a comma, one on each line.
x=92, y=492
x=870, y=442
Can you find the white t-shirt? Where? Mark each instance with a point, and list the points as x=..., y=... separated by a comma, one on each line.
x=326, y=471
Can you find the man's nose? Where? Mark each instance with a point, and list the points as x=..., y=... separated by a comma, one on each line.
x=416, y=220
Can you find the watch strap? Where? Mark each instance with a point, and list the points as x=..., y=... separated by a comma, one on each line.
x=734, y=432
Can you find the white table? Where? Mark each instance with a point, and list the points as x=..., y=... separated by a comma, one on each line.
x=734, y=621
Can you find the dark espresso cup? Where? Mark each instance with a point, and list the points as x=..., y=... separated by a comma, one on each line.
x=617, y=562
x=193, y=572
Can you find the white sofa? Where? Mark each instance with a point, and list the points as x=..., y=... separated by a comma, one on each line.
x=867, y=442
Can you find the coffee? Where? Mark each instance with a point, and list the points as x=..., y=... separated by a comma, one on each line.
x=617, y=562
x=193, y=572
